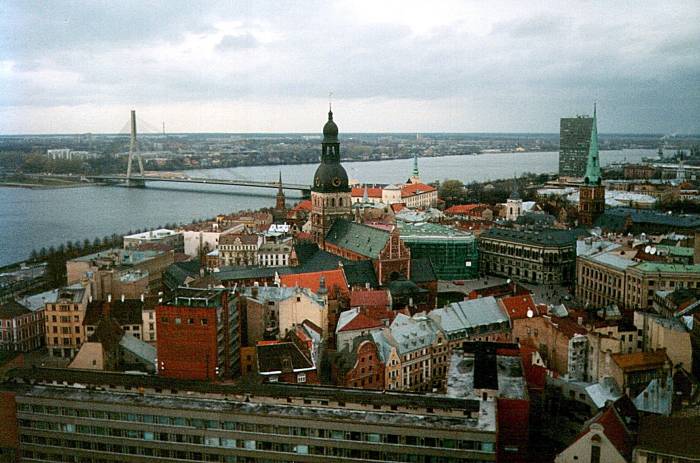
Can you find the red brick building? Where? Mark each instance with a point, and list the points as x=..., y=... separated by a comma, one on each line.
x=198, y=335
x=360, y=366
x=390, y=257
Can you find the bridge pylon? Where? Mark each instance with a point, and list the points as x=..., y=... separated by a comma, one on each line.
x=133, y=149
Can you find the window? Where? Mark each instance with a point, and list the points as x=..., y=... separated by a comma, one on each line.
x=204, y=321
x=178, y=320
x=595, y=453
x=301, y=378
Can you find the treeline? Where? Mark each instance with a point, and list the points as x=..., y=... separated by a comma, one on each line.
x=37, y=163
x=492, y=192
x=56, y=257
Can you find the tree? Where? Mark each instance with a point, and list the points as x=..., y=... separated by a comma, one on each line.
x=452, y=192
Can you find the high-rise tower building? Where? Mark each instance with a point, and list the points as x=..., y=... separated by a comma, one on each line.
x=330, y=193
x=574, y=141
x=592, y=193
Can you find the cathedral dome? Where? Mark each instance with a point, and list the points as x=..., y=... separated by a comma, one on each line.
x=330, y=130
x=330, y=177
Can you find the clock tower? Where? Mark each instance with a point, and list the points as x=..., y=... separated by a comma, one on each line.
x=330, y=192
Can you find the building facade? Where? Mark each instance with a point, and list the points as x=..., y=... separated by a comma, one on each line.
x=21, y=329
x=545, y=256
x=171, y=420
x=574, y=140
x=239, y=249
x=64, y=321
x=199, y=335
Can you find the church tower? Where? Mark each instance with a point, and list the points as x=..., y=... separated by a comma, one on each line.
x=415, y=175
x=591, y=204
x=280, y=211
x=330, y=192
x=514, y=204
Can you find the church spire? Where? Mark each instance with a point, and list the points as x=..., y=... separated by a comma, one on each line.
x=514, y=194
x=593, y=175
x=415, y=175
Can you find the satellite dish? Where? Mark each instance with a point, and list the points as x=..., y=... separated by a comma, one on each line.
x=652, y=251
x=530, y=313
x=647, y=249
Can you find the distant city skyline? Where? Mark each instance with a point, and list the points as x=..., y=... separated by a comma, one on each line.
x=411, y=67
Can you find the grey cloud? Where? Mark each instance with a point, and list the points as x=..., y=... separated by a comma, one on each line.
x=237, y=42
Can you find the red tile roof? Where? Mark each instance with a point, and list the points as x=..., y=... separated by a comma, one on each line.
x=245, y=238
x=304, y=205
x=397, y=207
x=372, y=298
x=412, y=189
x=372, y=192
x=361, y=322
x=640, y=360
x=614, y=429
x=467, y=209
x=517, y=306
x=568, y=327
x=311, y=280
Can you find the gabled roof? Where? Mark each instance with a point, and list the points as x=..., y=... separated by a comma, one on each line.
x=125, y=313
x=467, y=315
x=640, y=360
x=312, y=280
x=371, y=298
x=467, y=209
x=620, y=423
x=12, y=309
x=358, y=238
x=355, y=321
x=361, y=272
x=517, y=307
x=304, y=205
x=372, y=192
x=411, y=189
x=244, y=238
x=281, y=357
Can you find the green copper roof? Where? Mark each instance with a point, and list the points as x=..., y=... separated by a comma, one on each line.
x=362, y=239
x=593, y=176
x=653, y=267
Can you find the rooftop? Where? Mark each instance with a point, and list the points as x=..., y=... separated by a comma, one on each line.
x=540, y=237
x=12, y=309
x=361, y=239
x=485, y=370
x=275, y=358
x=669, y=435
x=470, y=314
x=641, y=360
x=655, y=267
x=353, y=320
x=425, y=230
x=152, y=235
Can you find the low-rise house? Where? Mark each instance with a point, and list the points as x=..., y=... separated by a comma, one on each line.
x=284, y=362
x=358, y=364
x=352, y=324
x=417, y=339
x=127, y=313
x=375, y=303
x=389, y=355
x=609, y=437
x=667, y=439
x=633, y=372
x=162, y=236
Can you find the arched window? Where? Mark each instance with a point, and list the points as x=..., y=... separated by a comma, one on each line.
x=340, y=202
x=332, y=202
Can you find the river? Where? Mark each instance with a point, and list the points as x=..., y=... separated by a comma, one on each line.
x=31, y=219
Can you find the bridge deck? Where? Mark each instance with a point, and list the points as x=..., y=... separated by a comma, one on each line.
x=212, y=181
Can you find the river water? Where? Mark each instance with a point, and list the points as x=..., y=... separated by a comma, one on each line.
x=31, y=219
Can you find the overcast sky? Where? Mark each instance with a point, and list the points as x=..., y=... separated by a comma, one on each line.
x=424, y=66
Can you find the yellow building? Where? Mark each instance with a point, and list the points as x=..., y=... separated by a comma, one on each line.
x=64, y=321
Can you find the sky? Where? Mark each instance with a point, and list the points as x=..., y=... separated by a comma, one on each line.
x=392, y=66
